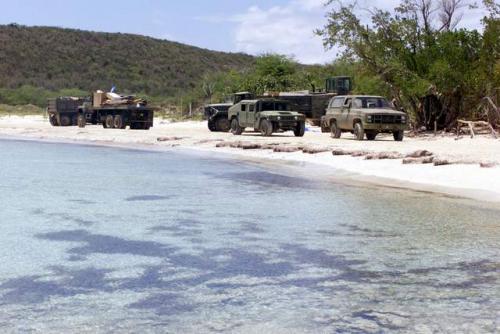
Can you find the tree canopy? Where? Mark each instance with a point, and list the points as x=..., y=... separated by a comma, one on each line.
x=438, y=72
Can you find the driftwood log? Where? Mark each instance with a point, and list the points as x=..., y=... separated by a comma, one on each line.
x=475, y=127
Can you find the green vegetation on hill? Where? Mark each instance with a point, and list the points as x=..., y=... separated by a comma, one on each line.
x=55, y=59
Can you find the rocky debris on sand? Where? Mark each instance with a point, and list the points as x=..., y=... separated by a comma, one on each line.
x=383, y=156
x=415, y=161
x=287, y=149
x=205, y=141
x=162, y=139
x=441, y=162
x=488, y=164
x=315, y=150
x=419, y=154
x=340, y=151
x=359, y=153
x=250, y=146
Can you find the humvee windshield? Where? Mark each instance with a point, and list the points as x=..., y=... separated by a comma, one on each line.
x=273, y=105
x=371, y=102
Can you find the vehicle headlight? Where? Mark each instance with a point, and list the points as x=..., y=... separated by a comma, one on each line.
x=369, y=118
x=296, y=118
x=403, y=119
x=279, y=118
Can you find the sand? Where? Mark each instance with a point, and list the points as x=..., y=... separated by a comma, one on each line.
x=464, y=177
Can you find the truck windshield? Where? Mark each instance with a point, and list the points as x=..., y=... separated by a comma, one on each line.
x=273, y=105
x=371, y=102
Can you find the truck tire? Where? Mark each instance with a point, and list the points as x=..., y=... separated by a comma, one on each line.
x=266, y=128
x=236, y=129
x=109, y=121
x=398, y=135
x=118, y=122
x=53, y=120
x=335, y=131
x=65, y=120
x=211, y=126
x=359, y=132
x=222, y=124
x=371, y=135
x=81, y=121
x=300, y=129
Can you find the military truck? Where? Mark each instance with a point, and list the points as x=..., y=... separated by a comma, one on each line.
x=116, y=111
x=266, y=115
x=313, y=103
x=63, y=111
x=217, y=114
x=363, y=115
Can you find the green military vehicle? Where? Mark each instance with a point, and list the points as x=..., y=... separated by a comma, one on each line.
x=63, y=111
x=363, y=115
x=216, y=114
x=266, y=115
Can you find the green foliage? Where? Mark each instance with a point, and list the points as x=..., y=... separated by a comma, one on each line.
x=53, y=59
x=25, y=95
x=417, y=52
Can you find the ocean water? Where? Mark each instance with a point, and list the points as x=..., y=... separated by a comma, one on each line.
x=100, y=240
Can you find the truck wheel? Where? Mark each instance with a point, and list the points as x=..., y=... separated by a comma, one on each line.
x=211, y=126
x=81, y=121
x=236, y=129
x=53, y=120
x=65, y=120
x=371, y=135
x=266, y=128
x=300, y=130
x=109, y=121
x=222, y=124
x=359, y=132
x=335, y=131
x=118, y=122
x=398, y=135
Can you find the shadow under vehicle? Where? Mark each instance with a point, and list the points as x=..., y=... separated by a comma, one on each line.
x=266, y=115
x=63, y=111
x=363, y=115
x=116, y=113
x=217, y=114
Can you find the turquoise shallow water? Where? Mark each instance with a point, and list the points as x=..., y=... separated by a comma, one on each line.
x=98, y=239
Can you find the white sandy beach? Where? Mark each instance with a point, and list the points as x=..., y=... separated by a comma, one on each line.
x=465, y=177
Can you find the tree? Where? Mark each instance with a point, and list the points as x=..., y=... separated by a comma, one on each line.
x=428, y=65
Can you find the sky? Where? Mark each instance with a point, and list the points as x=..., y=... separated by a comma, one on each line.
x=249, y=26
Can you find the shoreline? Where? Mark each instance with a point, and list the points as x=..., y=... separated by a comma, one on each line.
x=455, y=180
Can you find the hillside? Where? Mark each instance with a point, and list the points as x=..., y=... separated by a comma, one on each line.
x=55, y=58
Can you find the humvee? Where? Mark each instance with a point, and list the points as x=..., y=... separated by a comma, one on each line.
x=216, y=114
x=266, y=116
x=363, y=115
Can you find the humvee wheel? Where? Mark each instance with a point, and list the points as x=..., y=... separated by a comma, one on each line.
x=371, y=135
x=359, y=132
x=81, y=121
x=65, y=120
x=211, y=126
x=236, y=129
x=266, y=128
x=398, y=135
x=300, y=129
x=118, y=122
x=222, y=124
x=335, y=131
x=53, y=120
x=109, y=121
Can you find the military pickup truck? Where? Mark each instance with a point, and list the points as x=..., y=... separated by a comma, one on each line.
x=267, y=116
x=363, y=115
